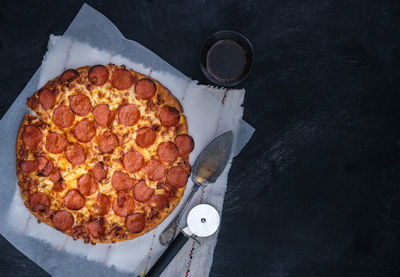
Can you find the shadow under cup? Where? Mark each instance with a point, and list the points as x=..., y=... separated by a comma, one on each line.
x=226, y=58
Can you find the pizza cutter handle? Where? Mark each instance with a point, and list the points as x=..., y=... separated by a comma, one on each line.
x=168, y=255
x=169, y=232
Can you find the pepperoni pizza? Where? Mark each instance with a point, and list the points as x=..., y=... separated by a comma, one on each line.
x=105, y=158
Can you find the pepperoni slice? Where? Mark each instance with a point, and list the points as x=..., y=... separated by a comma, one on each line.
x=56, y=143
x=108, y=141
x=122, y=79
x=121, y=181
x=145, y=89
x=95, y=229
x=158, y=202
x=46, y=99
x=75, y=154
x=185, y=144
x=103, y=204
x=177, y=177
x=45, y=166
x=135, y=223
x=29, y=166
x=69, y=75
x=102, y=115
x=63, y=220
x=168, y=191
x=169, y=116
x=42, y=163
x=98, y=75
x=87, y=185
x=142, y=192
x=123, y=204
x=32, y=136
x=55, y=177
x=39, y=202
x=145, y=137
x=155, y=170
x=99, y=173
x=63, y=117
x=167, y=152
x=132, y=161
x=80, y=104
x=47, y=169
x=74, y=200
x=58, y=187
x=128, y=115
x=84, y=131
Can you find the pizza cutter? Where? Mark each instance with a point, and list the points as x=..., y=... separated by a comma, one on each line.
x=202, y=221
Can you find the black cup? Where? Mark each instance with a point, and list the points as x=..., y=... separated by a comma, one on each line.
x=239, y=65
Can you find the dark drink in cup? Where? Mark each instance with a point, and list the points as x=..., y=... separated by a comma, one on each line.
x=226, y=58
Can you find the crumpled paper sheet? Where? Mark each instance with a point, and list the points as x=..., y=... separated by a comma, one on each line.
x=210, y=112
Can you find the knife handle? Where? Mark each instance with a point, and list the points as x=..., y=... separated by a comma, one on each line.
x=168, y=255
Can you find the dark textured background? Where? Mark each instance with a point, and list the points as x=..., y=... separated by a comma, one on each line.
x=316, y=191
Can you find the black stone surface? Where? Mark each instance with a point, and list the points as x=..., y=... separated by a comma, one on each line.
x=316, y=191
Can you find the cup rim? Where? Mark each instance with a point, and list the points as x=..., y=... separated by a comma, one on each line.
x=238, y=38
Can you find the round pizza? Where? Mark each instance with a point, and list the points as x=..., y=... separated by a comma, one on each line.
x=105, y=158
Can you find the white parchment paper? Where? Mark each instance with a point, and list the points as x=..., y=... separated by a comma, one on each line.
x=93, y=39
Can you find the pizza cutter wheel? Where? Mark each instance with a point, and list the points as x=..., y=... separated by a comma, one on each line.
x=202, y=221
